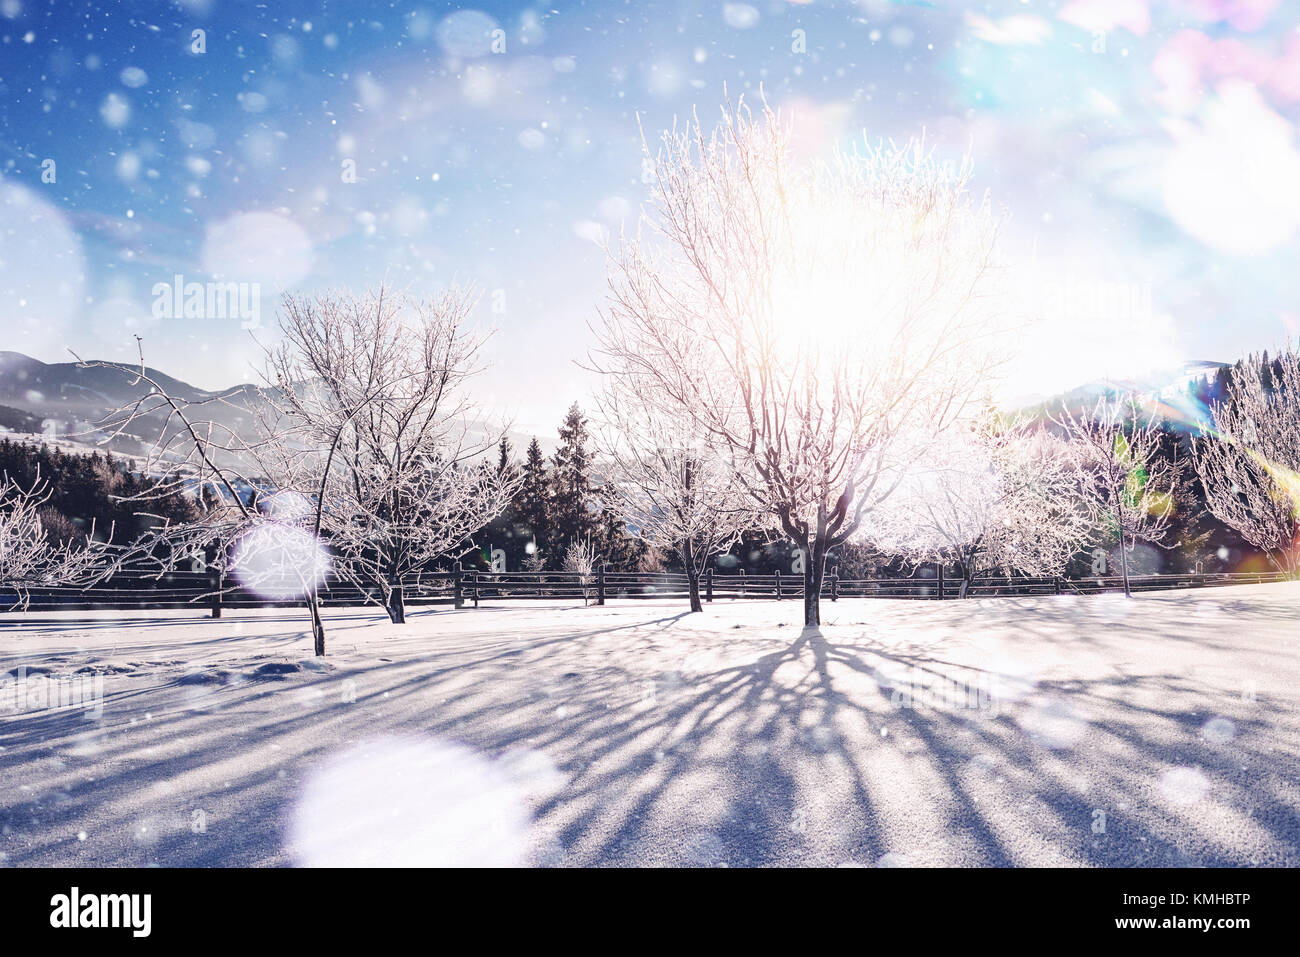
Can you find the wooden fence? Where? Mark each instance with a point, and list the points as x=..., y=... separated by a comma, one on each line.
x=461, y=587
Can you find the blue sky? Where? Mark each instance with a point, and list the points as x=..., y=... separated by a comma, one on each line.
x=1145, y=151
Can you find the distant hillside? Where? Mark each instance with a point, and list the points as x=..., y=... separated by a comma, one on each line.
x=16, y=420
x=36, y=397
x=1200, y=375
x=65, y=399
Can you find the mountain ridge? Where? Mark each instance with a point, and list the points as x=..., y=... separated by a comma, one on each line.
x=71, y=397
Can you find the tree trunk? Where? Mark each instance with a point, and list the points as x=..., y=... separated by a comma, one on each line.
x=814, y=572
x=692, y=576
x=396, y=606
x=968, y=568
x=967, y=579
x=1123, y=564
x=317, y=625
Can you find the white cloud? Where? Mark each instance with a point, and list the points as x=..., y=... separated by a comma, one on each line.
x=1009, y=31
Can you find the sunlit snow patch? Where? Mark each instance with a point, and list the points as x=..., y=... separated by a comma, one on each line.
x=1054, y=723
x=531, y=772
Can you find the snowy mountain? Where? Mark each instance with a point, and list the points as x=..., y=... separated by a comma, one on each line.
x=66, y=390
x=63, y=399
x=1158, y=385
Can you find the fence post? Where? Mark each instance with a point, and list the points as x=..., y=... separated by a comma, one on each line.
x=778, y=584
x=1056, y=580
x=835, y=582
x=708, y=584
x=474, y=586
x=742, y=583
x=214, y=579
x=215, y=583
x=600, y=583
x=938, y=567
x=457, y=593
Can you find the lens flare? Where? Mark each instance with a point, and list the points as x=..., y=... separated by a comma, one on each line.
x=410, y=802
x=280, y=562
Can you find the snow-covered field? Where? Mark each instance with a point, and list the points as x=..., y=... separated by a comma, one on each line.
x=1164, y=730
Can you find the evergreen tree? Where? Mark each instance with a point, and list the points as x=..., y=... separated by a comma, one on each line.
x=615, y=546
x=573, y=519
x=533, y=501
x=90, y=491
x=505, y=461
x=506, y=531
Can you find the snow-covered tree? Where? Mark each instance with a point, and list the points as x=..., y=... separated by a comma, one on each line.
x=998, y=495
x=580, y=559
x=251, y=535
x=360, y=449
x=1125, y=479
x=821, y=322
x=663, y=482
x=534, y=500
x=572, y=517
x=31, y=557
x=1248, y=457
x=374, y=387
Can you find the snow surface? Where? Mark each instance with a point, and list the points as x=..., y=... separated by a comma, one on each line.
x=1090, y=731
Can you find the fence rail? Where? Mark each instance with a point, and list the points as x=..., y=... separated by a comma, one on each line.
x=204, y=591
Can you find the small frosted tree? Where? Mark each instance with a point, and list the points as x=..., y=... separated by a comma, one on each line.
x=375, y=387
x=33, y=558
x=1125, y=479
x=663, y=483
x=996, y=496
x=252, y=535
x=580, y=559
x=820, y=322
x=359, y=443
x=1248, y=457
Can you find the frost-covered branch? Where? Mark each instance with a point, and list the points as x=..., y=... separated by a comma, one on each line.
x=30, y=558
x=1248, y=459
x=820, y=322
x=997, y=495
x=664, y=483
x=1126, y=481
x=375, y=387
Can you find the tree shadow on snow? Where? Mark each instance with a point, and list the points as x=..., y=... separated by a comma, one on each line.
x=673, y=744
